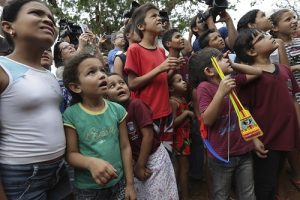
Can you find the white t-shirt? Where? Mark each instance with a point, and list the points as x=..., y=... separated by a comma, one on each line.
x=32, y=128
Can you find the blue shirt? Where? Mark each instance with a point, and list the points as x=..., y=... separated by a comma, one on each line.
x=111, y=57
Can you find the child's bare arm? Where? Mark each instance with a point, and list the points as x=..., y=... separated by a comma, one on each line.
x=187, y=51
x=118, y=66
x=4, y=80
x=2, y=193
x=297, y=108
x=212, y=111
x=250, y=71
x=295, y=68
x=102, y=171
x=127, y=161
x=137, y=82
x=141, y=170
x=283, y=57
x=178, y=120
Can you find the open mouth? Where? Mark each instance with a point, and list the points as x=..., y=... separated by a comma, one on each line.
x=121, y=93
x=45, y=57
x=103, y=84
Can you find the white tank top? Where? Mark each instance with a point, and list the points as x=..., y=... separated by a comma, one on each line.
x=31, y=122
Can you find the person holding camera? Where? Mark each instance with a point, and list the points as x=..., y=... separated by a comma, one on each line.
x=206, y=20
x=63, y=51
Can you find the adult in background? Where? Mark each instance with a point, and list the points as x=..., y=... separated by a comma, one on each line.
x=119, y=42
x=47, y=59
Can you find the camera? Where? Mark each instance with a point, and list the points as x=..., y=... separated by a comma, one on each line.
x=69, y=29
x=217, y=7
x=164, y=16
x=128, y=13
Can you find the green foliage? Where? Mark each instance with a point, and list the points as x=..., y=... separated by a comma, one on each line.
x=105, y=16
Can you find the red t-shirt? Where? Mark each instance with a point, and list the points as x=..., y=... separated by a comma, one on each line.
x=270, y=100
x=139, y=116
x=226, y=123
x=155, y=94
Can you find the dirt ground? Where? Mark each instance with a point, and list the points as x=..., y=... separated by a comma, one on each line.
x=199, y=188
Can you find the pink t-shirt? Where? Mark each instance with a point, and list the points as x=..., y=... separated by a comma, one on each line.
x=270, y=100
x=155, y=94
x=226, y=123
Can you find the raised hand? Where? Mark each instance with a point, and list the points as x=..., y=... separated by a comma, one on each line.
x=226, y=85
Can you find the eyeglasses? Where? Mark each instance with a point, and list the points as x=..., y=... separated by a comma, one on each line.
x=120, y=36
x=67, y=47
x=259, y=37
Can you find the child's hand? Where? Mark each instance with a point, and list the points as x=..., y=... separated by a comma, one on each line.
x=259, y=148
x=190, y=114
x=226, y=54
x=226, y=85
x=171, y=63
x=182, y=62
x=142, y=173
x=130, y=193
x=102, y=171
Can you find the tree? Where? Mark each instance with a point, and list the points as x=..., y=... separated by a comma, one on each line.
x=280, y=4
x=105, y=16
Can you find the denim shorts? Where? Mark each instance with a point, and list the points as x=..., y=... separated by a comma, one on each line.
x=238, y=171
x=43, y=181
x=116, y=192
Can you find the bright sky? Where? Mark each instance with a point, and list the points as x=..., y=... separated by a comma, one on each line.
x=242, y=8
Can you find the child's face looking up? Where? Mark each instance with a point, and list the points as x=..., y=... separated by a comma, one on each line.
x=264, y=43
x=287, y=24
x=152, y=22
x=178, y=84
x=216, y=41
x=177, y=41
x=225, y=65
x=262, y=22
x=92, y=78
x=117, y=89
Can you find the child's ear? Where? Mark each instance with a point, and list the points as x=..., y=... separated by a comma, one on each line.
x=141, y=27
x=171, y=89
x=168, y=44
x=208, y=71
x=195, y=29
x=251, y=25
x=275, y=28
x=75, y=88
x=252, y=52
x=127, y=36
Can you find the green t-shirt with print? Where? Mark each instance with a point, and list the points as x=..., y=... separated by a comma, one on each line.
x=98, y=136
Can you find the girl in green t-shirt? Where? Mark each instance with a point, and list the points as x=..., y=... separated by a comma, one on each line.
x=97, y=141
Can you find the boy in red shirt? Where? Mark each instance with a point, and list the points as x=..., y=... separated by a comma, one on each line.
x=148, y=69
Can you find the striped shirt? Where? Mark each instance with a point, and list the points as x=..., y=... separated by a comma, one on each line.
x=293, y=52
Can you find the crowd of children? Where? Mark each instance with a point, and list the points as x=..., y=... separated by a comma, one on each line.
x=126, y=133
